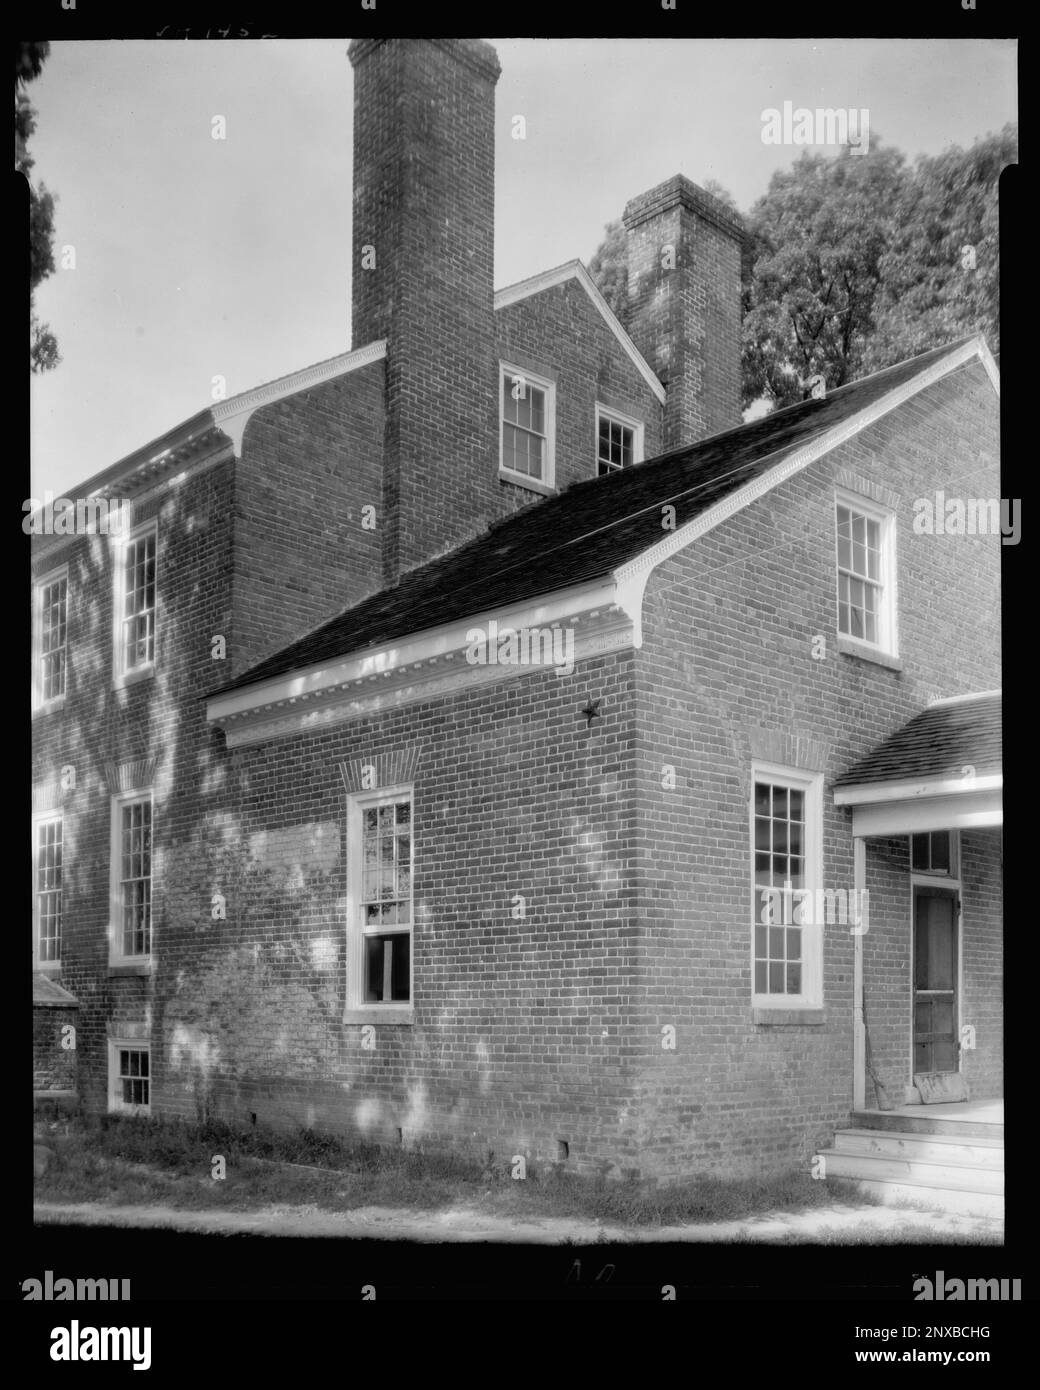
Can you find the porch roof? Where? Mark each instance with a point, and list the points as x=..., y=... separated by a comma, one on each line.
x=940, y=771
x=50, y=994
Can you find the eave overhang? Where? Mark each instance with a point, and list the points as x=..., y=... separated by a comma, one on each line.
x=601, y=616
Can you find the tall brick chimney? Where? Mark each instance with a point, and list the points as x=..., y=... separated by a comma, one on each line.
x=423, y=278
x=684, y=304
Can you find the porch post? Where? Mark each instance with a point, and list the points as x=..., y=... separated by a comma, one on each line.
x=859, y=1051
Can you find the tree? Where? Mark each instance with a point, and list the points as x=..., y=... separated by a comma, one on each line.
x=856, y=262
x=818, y=238
x=940, y=276
x=29, y=60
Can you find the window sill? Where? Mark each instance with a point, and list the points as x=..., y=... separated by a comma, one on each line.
x=849, y=646
x=136, y=967
x=51, y=707
x=506, y=475
x=388, y=1015
x=145, y=673
x=47, y=967
x=788, y=1018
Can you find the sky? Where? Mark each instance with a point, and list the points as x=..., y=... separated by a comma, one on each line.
x=197, y=258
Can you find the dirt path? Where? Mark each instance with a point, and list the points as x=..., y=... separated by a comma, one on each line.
x=466, y=1223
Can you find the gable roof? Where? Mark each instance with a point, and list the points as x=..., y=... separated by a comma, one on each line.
x=594, y=527
x=575, y=270
x=936, y=744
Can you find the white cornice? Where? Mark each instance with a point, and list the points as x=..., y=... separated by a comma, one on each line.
x=233, y=415
x=191, y=442
x=420, y=667
x=869, y=793
x=795, y=462
x=574, y=270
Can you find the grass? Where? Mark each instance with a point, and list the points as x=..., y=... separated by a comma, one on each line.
x=131, y=1161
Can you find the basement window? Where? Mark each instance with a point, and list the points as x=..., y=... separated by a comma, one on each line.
x=527, y=438
x=380, y=906
x=619, y=441
x=129, y=1078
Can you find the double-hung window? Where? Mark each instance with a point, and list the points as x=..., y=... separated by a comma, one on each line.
x=131, y=879
x=527, y=408
x=865, y=539
x=787, y=940
x=50, y=633
x=619, y=441
x=48, y=836
x=380, y=905
x=135, y=598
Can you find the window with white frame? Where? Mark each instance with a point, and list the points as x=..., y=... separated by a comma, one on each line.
x=48, y=835
x=934, y=852
x=131, y=891
x=527, y=428
x=136, y=604
x=50, y=628
x=786, y=873
x=129, y=1077
x=619, y=441
x=865, y=539
x=380, y=849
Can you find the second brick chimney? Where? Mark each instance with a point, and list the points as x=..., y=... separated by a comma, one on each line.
x=423, y=279
x=684, y=304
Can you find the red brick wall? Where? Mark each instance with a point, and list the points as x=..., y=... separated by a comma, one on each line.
x=684, y=310
x=309, y=465
x=982, y=960
x=54, y=1067
x=560, y=334
x=521, y=1027
x=162, y=718
x=424, y=200
x=728, y=625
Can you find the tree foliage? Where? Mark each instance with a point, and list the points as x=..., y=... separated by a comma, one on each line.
x=855, y=262
x=28, y=63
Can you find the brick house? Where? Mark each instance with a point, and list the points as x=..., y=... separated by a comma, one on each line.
x=415, y=763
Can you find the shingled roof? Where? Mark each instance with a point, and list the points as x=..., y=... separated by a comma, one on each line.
x=586, y=531
x=936, y=744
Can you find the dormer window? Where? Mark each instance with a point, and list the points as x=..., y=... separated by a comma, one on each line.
x=527, y=411
x=619, y=441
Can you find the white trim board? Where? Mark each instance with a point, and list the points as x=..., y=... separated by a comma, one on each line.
x=574, y=270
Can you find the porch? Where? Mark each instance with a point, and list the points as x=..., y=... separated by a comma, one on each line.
x=926, y=980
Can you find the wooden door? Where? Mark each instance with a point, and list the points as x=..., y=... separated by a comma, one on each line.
x=935, y=979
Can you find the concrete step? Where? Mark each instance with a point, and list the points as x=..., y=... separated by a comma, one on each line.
x=961, y=1201
x=940, y=1148
x=948, y=1174
x=927, y=1124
